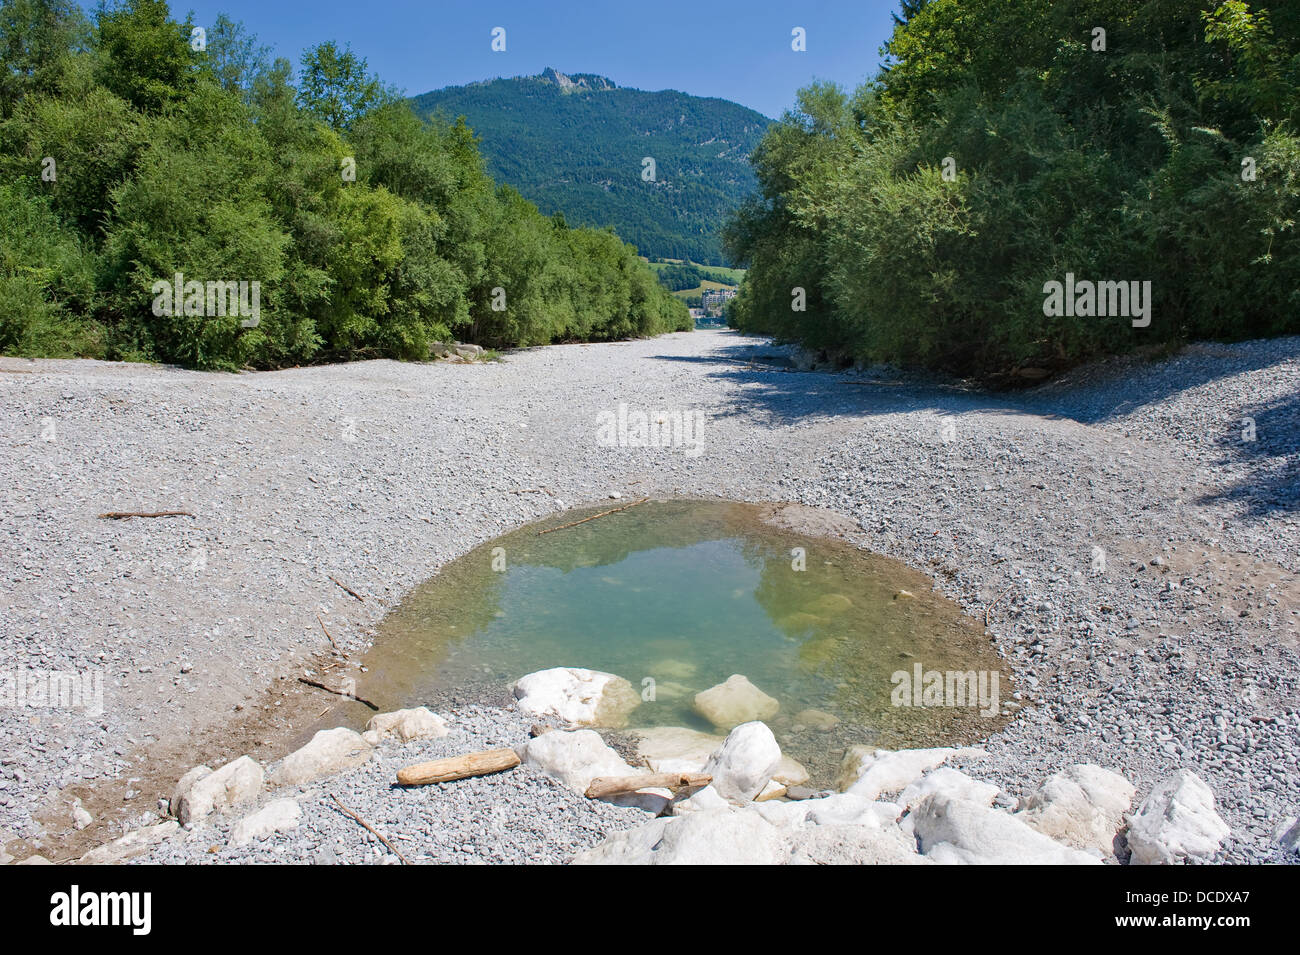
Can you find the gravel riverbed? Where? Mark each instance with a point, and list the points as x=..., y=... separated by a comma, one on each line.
x=1131, y=532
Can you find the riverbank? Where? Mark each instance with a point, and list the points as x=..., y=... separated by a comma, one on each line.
x=1175, y=647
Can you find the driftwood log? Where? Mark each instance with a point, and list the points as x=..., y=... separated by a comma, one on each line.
x=603, y=786
x=458, y=767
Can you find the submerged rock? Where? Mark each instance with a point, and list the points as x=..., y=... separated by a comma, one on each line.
x=735, y=701
x=1176, y=822
x=577, y=697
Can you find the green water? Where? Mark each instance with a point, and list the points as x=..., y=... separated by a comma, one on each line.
x=687, y=593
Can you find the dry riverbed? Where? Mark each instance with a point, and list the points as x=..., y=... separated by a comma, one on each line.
x=1131, y=533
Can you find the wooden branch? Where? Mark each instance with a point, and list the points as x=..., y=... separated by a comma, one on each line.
x=121, y=515
x=330, y=689
x=603, y=786
x=348, y=589
x=995, y=603
x=330, y=639
x=458, y=767
x=613, y=510
x=365, y=825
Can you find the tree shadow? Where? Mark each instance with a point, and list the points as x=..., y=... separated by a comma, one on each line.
x=1267, y=447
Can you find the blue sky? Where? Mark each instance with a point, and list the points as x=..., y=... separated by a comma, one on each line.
x=736, y=50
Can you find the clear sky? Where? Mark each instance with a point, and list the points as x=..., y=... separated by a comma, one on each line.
x=738, y=50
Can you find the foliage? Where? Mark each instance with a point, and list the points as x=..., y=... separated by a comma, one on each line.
x=1123, y=164
x=128, y=156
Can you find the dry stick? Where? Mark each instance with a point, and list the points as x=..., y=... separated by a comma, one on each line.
x=119, y=515
x=458, y=767
x=995, y=603
x=329, y=638
x=365, y=825
x=348, y=589
x=330, y=689
x=614, y=510
x=603, y=786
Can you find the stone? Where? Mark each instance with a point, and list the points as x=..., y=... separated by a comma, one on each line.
x=134, y=843
x=713, y=837
x=701, y=800
x=1176, y=823
x=852, y=845
x=183, y=786
x=773, y=790
x=35, y=860
x=329, y=752
x=733, y=702
x=1288, y=834
x=675, y=749
x=234, y=784
x=1083, y=806
x=871, y=772
x=951, y=783
x=575, y=758
x=407, y=725
x=80, y=817
x=828, y=604
x=959, y=832
x=817, y=720
x=279, y=815
x=577, y=697
x=790, y=772
x=744, y=763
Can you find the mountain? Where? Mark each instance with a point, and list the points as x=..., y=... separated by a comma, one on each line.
x=575, y=144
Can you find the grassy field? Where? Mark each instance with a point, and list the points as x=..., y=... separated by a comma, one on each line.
x=719, y=274
x=686, y=293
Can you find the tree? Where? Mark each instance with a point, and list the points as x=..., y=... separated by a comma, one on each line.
x=334, y=85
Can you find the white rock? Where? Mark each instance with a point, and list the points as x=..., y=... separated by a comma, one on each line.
x=80, y=817
x=234, y=784
x=183, y=786
x=134, y=843
x=773, y=790
x=1176, y=822
x=702, y=800
x=1083, y=807
x=716, y=837
x=951, y=783
x=406, y=725
x=576, y=758
x=577, y=697
x=280, y=815
x=790, y=772
x=1288, y=834
x=735, y=701
x=957, y=832
x=852, y=845
x=871, y=772
x=675, y=749
x=744, y=763
x=330, y=751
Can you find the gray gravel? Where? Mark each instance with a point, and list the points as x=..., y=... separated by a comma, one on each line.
x=1181, y=653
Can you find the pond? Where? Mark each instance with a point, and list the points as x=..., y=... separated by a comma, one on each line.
x=677, y=596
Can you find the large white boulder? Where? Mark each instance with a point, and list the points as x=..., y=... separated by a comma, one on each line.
x=198, y=794
x=715, y=837
x=1083, y=806
x=958, y=832
x=733, y=702
x=577, y=697
x=871, y=772
x=1176, y=822
x=951, y=783
x=852, y=845
x=329, y=752
x=744, y=763
x=576, y=758
x=406, y=725
x=279, y=815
